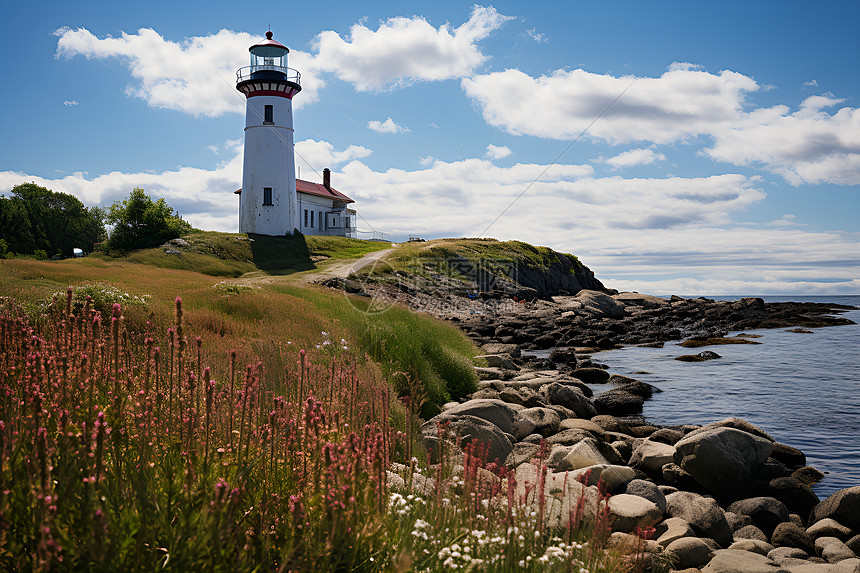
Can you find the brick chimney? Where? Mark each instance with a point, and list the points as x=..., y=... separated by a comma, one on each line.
x=327, y=178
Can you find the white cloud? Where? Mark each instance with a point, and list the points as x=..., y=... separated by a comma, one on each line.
x=71, y=103
x=634, y=157
x=807, y=146
x=427, y=160
x=196, y=75
x=645, y=232
x=537, y=37
x=387, y=126
x=406, y=50
x=317, y=155
x=811, y=84
x=213, y=149
x=680, y=104
x=497, y=152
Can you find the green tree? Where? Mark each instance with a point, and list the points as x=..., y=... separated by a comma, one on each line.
x=139, y=222
x=36, y=218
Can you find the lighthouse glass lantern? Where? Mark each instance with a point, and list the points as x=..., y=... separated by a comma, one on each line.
x=267, y=200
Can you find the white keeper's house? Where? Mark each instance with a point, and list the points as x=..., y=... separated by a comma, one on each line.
x=272, y=201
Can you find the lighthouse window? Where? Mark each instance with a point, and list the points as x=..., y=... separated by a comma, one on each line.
x=267, y=196
x=270, y=114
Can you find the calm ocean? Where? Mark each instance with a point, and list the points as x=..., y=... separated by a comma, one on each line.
x=803, y=389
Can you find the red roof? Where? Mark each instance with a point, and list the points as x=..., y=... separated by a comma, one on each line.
x=319, y=189
x=269, y=42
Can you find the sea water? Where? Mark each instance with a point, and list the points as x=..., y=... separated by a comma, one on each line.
x=802, y=389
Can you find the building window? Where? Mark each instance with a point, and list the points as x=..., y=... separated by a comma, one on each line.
x=270, y=114
x=267, y=196
x=306, y=217
x=312, y=219
x=320, y=220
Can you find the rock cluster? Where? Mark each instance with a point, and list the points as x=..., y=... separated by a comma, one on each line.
x=724, y=497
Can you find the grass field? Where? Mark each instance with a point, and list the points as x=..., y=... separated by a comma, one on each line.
x=155, y=418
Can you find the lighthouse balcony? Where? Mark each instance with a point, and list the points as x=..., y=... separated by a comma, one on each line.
x=268, y=73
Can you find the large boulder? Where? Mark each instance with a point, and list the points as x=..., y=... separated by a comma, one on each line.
x=612, y=478
x=617, y=402
x=600, y=304
x=789, y=534
x=796, y=495
x=497, y=412
x=691, y=552
x=591, y=375
x=650, y=457
x=467, y=428
x=766, y=512
x=649, y=491
x=583, y=454
x=629, y=512
x=543, y=421
x=671, y=529
x=843, y=506
x=704, y=515
x=571, y=398
x=829, y=527
x=722, y=459
x=739, y=561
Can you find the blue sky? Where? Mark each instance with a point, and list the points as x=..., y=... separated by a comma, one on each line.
x=730, y=163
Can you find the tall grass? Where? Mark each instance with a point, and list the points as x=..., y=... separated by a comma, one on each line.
x=126, y=450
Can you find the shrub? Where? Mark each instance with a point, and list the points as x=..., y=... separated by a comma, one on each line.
x=139, y=222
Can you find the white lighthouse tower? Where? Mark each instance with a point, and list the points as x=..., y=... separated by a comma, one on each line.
x=267, y=200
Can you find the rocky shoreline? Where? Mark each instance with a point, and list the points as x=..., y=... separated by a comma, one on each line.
x=725, y=497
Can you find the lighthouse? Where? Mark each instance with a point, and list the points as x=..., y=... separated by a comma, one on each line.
x=267, y=200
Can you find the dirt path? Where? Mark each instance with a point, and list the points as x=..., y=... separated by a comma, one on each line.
x=340, y=269
x=343, y=269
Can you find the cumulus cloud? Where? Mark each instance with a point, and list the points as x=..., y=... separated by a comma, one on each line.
x=634, y=157
x=806, y=146
x=320, y=154
x=196, y=76
x=682, y=103
x=497, y=152
x=604, y=220
x=387, y=126
x=406, y=50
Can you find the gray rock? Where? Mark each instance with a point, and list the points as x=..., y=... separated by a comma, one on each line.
x=650, y=457
x=671, y=529
x=789, y=534
x=600, y=304
x=854, y=544
x=796, y=495
x=766, y=512
x=704, y=515
x=583, y=454
x=618, y=403
x=572, y=423
x=780, y=554
x=749, y=532
x=467, y=428
x=524, y=396
x=571, y=398
x=499, y=361
x=843, y=506
x=614, y=478
x=734, y=561
x=691, y=552
x=737, y=521
x=649, y=491
x=591, y=375
x=496, y=412
x=828, y=527
x=543, y=421
x=666, y=436
x=569, y=437
x=721, y=459
x=837, y=551
x=628, y=512
x=523, y=452
x=737, y=424
x=754, y=545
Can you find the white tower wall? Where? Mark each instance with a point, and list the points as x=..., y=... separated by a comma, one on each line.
x=269, y=162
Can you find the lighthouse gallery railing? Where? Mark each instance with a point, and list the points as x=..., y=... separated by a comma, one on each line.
x=247, y=72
